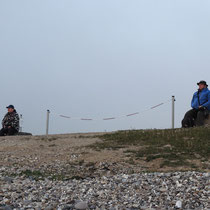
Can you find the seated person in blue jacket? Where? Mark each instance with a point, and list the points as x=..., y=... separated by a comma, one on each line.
x=10, y=122
x=200, y=107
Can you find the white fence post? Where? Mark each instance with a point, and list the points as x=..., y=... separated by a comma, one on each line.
x=173, y=112
x=47, y=124
x=21, y=123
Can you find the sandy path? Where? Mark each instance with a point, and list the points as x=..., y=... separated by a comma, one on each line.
x=42, y=148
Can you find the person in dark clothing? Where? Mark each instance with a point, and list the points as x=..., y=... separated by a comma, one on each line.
x=10, y=122
x=200, y=107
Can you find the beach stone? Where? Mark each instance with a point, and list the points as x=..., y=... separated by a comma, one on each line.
x=178, y=204
x=162, y=189
x=51, y=207
x=7, y=207
x=8, y=179
x=1, y=198
x=81, y=205
x=67, y=207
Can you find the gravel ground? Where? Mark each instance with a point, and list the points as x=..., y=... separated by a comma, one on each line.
x=39, y=173
x=178, y=190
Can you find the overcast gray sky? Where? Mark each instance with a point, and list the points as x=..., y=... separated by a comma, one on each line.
x=98, y=59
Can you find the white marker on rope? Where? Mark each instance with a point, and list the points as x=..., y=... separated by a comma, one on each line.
x=86, y=119
x=156, y=106
x=110, y=118
x=65, y=116
x=128, y=115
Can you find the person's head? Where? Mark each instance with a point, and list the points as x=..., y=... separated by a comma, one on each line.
x=202, y=84
x=10, y=108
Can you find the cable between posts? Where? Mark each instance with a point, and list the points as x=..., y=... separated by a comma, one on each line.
x=113, y=117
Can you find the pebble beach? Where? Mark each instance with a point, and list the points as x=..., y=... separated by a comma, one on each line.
x=179, y=190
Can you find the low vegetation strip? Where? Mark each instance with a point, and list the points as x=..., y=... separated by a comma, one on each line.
x=176, y=147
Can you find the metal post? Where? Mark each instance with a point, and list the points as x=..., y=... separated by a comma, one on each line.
x=47, y=125
x=173, y=111
x=21, y=123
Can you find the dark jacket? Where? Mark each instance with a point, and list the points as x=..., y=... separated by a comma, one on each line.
x=201, y=98
x=11, y=119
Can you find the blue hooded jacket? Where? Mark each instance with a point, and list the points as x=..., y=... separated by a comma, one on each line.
x=201, y=98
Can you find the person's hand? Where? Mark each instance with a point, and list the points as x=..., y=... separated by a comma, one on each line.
x=201, y=108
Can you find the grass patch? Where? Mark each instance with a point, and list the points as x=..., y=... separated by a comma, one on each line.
x=49, y=138
x=174, y=147
x=38, y=175
x=86, y=136
x=52, y=145
x=52, y=138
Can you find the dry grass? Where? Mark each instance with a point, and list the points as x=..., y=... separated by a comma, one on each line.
x=173, y=147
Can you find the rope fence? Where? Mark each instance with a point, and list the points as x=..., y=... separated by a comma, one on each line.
x=113, y=117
